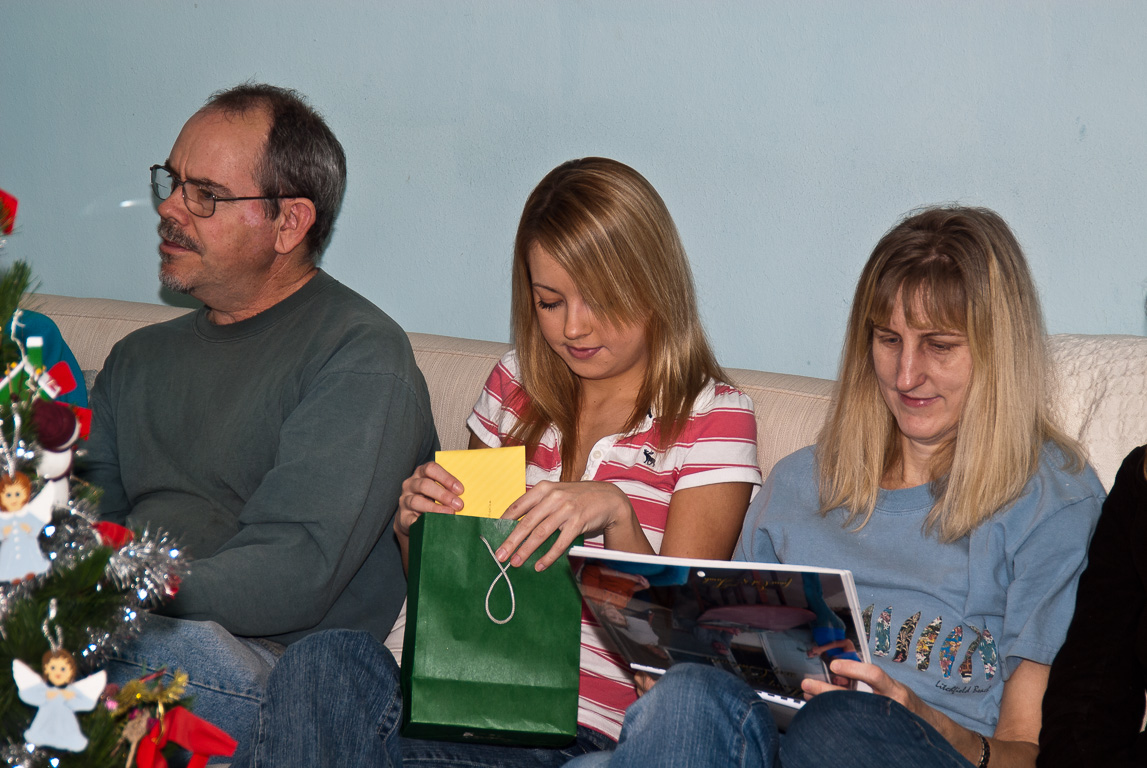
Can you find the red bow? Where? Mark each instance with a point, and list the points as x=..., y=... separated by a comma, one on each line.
x=194, y=734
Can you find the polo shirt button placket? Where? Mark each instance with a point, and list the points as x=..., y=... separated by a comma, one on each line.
x=595, y=458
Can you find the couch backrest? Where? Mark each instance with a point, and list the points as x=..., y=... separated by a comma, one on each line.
x=1101, y=395
x=93, y=326
x=455, y=371
x=1101, y=381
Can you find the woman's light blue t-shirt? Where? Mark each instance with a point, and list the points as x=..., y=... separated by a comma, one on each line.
x=949, y=620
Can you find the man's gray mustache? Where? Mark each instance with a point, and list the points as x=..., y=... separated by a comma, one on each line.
x=169, y=230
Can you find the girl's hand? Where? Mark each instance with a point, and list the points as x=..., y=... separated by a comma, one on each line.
x=430, y=489
x=643, y=681
x=875, y=677
x=575, y=509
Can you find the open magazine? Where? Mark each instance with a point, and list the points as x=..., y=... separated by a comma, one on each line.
x=760, y=621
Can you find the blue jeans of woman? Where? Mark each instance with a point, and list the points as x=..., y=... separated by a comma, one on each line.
x=333, y=699
x=703, y=716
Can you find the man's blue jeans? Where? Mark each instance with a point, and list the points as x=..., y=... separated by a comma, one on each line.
x=226, y=674
x=702, y=716
x=334, y=699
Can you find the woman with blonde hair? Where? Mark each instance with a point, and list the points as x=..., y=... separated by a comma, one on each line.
x=609, y=360
x=633, y=439
x=943, y=483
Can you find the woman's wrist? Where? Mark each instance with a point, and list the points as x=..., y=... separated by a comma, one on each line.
x=985, y=751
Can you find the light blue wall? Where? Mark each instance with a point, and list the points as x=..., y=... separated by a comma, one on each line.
x=784, y=136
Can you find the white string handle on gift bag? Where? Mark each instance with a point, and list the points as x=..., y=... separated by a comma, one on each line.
x=490, y=591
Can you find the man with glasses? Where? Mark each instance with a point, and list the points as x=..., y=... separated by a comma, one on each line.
x=271, y=430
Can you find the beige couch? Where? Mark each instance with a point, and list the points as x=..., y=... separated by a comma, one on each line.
x=1102, y=381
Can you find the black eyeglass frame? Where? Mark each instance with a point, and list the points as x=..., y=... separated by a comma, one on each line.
x=214, y=198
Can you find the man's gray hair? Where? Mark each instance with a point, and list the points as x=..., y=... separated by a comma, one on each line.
x=302, y=157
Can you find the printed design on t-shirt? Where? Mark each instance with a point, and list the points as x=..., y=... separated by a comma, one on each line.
x=883, y=623
x=988, y=651
x=982, y=643
x=949, y=650
x=926, y=641
x=866, y=619
x=904, y=638
x=966, y=664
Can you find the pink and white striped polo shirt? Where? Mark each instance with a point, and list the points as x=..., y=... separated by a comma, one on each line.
x=718, y=445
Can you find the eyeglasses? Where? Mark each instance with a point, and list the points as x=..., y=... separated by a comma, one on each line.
x=199, y=201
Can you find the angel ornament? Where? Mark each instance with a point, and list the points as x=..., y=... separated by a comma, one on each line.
x=22, y=517
x=58, y=699
x=21, y=521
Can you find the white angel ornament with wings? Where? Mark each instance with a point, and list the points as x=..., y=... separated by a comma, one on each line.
x=21, y=521
x=58, y=699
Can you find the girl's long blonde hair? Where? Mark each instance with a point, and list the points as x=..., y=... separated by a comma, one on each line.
x=607, y=227
x=964, y=269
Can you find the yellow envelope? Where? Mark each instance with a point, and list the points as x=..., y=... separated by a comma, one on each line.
x=494, y=478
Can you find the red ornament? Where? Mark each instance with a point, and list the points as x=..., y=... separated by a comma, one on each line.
x=61, y=374
x=55, y=424
x=7, y=212
x=113, y=535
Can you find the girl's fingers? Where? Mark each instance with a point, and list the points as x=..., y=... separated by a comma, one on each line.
x=438, y=474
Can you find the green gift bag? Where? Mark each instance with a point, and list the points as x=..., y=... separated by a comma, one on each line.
x=487, y=656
